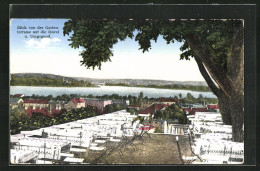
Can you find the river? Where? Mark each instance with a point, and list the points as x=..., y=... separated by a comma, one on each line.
x=109, y=90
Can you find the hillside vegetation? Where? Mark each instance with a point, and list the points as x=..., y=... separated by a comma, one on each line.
x=36, y=81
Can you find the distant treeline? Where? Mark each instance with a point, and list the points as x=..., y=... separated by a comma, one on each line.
x=35, y=81
x=133, y=100
x=178, y=87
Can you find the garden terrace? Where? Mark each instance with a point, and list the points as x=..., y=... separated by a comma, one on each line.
x=157, y=149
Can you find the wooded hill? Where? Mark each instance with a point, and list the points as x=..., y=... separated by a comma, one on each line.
x=130, y=82
x=44, y=81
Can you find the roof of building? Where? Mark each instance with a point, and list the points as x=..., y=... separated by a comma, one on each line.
x=36, y=101
x=198, y=109
x=19, y=95
x=212, y=106
x=14, y=100
x=187, y=109
x=43, y=111
x=152, y=108
x=77, y=100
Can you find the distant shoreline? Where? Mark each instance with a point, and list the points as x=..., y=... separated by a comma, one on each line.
x=192, y=88
x=110, y=86
x=55, y=86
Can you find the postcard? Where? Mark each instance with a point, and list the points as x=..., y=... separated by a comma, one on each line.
x=126, y=91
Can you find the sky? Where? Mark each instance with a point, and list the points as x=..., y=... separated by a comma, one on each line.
x=53, y=55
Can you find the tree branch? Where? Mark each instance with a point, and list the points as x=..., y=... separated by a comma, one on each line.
x=217, y=74
x=207, y=78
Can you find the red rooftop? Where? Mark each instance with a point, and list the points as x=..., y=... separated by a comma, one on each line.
x=212, y=106
x=77, y=100
x=152, y=108
x=36, y=101
x=199, y=109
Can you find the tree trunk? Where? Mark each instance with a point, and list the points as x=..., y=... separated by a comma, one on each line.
x=236, y=74
x=237, y=116
x=230, y=89
x=224, y=107
x=223, y=99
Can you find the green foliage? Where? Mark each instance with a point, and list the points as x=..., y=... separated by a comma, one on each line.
x=18, y=120
x=172, y=112
x=132, y=111
x=99, y=36
x=113, y=107
x=141, y=95
x=140, y=98
x=63, y=97
x=190, y=99
x=133, y=100
x=35, y=81
x=117, y=84
x=158, y=114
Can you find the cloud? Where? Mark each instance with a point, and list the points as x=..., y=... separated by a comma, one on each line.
x=42, y=43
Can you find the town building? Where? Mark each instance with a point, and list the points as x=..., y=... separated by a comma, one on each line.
x=34, y=103
x=186, y=109
x=146, y=104
x=193, y=110
x=148, y=112
x=198, y=109
x=98, y=103
x=190, y=105
x=75, y=103
x=121, y=102
x=57, y=105
x=15, y=103
x=169, y=101
x=19, y=95
x=213, y=108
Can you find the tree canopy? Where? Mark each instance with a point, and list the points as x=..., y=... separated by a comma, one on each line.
x=97, y=37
